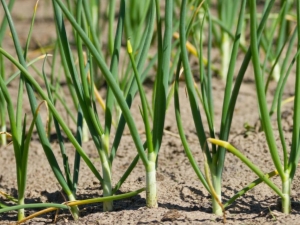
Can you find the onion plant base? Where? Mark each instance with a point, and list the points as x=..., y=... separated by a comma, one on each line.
x=108, y=206
x=74, y=209
x=75, y=212
x=151, y=191
x=216, y=196
x=216, y=208
x=107, y=187
x=21, y=212
x=286, y=200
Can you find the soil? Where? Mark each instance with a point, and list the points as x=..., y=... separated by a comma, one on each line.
x=182, y=199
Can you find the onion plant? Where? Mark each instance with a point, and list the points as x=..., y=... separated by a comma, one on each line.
x=18, y=134
x=213, y=157
x=21, y=155
x=101, y=135
x=287, y=166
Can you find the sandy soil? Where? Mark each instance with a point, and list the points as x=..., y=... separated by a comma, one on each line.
x=182, y=199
